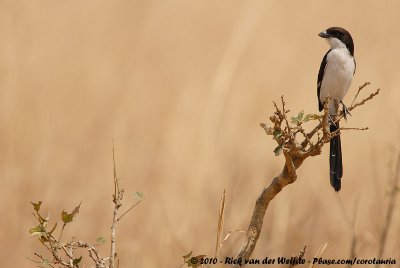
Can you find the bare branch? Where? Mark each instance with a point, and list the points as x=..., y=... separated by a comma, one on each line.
x=43, y=260
x=62, y=230
x=93, y=254
x=116, y=186
x=354, y=128
x=129, y=209
x=290, y=166
x=117, y=197
x=359, y=90
x=284, y=112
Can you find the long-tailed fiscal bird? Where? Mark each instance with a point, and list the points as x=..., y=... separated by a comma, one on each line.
x=334, y=78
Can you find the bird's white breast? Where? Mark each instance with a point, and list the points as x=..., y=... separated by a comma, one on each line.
x=338, y=75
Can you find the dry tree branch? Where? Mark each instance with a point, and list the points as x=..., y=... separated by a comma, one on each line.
x=117, y=198
x=354, y=128
x=359, y=90
x=43, y=260
x=295, y=153
x=93, y=254
x=129, y=209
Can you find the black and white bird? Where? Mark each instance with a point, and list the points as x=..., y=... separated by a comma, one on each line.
x=334, y=78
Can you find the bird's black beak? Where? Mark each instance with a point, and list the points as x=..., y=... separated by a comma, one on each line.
x=323, y=34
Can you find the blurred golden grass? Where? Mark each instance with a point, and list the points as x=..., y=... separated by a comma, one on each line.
x=220, y=228
x=181, y=86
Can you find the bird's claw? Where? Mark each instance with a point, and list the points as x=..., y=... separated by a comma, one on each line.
x=331, y=120
x=345, y=111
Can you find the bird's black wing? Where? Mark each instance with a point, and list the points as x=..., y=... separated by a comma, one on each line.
x=320, y=77
x=355, y=66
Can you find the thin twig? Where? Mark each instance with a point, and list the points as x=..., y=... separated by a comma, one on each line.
x=358, y=91
x=67, y=252
x=129, y=209
x=116, y=186
x=363, y=101
x=285, y=112
x=354, y=128
x=116, y=199
x=62, y=230
x=44, y=260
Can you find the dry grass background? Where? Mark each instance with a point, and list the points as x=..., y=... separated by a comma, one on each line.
x=181, y=86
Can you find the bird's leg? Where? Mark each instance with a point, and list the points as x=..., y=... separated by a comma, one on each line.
x=345, y=111
x=331, y=119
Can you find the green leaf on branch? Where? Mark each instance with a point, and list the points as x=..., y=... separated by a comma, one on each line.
x=297, y=119
x=77, y=260
x=37, y=230
x=300, y=116
x=139, y=195
x=46, y=261
x=277, y=134
x=36, y=206
x=68, y=217
x=187, y=256
x=310, y=117
x=100, y=240
x=278, y=150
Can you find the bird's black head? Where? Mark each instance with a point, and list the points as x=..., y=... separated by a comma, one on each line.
x=340, y=34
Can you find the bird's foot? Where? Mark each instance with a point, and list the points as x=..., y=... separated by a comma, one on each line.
x=345, y=111
x=331, y=120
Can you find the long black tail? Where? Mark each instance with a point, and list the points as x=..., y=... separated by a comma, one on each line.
x=335, y=159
